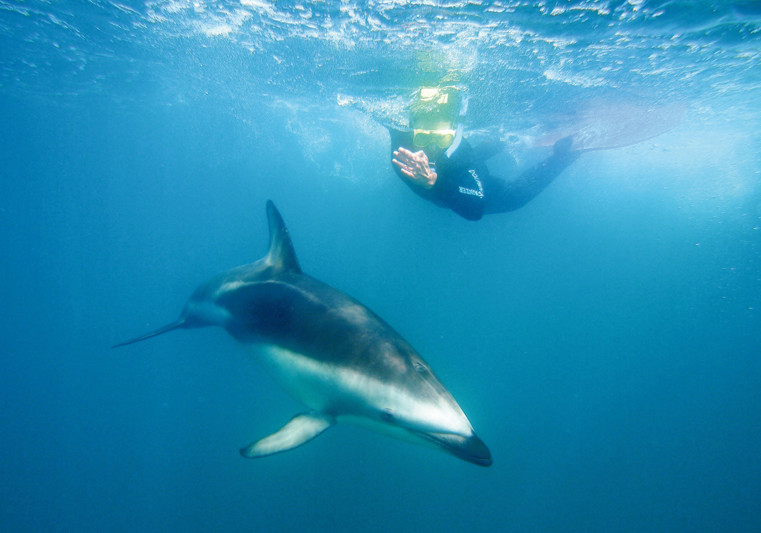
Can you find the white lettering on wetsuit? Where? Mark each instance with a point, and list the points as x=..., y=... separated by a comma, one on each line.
x=473, y=192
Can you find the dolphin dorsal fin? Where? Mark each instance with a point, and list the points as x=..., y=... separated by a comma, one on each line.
x=281, y=254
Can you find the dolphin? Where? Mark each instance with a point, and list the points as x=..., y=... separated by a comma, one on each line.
x=329, y=352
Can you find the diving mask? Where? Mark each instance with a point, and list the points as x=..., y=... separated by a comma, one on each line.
x=441, y=138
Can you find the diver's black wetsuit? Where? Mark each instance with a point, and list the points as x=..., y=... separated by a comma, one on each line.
x=464, y=185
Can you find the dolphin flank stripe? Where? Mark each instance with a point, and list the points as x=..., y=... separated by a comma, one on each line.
x=292, y=366
x=329, y=352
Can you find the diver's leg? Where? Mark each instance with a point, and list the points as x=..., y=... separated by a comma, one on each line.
x=502, y=195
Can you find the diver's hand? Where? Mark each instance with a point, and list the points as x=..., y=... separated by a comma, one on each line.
x=415, y=166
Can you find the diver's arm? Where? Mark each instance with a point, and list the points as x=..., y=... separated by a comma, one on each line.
x=458, y=190
x=415, y=166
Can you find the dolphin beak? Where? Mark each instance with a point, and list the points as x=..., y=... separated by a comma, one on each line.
x=169, y=327
x=476, y=452
x=471, y=449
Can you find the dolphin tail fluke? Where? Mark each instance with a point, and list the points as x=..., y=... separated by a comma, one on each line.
x=169, y=327
x=299, y=430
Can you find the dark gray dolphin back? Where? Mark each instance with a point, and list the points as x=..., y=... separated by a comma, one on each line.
x=281, y=254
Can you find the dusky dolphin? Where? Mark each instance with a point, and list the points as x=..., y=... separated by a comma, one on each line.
x=328, y=351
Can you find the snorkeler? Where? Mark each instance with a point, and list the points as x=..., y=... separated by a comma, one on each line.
x=436, y=162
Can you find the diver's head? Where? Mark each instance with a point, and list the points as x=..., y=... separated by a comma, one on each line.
x=434, y=117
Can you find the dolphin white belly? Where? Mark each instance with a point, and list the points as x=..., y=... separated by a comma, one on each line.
x=344, y=392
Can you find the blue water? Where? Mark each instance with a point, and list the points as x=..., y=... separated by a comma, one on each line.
x=604, y=340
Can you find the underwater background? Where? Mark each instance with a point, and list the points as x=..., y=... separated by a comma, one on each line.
x=604, y=340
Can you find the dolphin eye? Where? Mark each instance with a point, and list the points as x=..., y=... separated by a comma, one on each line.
x=419, y=367
x=387, y=415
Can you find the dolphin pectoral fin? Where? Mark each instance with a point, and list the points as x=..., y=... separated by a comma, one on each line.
x=300, y=429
